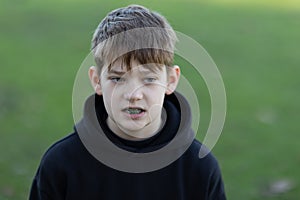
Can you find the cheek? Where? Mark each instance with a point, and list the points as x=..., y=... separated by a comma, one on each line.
x=156, y=95
x=107, y=97
x=111, y=97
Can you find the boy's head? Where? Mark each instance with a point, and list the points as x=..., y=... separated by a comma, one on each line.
x=133, y=33
x=133, y=48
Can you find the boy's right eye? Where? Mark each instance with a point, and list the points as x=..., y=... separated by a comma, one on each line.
x=117, y=79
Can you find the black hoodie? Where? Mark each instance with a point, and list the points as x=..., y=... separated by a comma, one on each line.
x=71, y=169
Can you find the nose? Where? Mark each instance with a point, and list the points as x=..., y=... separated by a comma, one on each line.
x=133, y=92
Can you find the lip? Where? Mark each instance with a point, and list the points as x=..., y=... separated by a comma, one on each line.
x=134, y=116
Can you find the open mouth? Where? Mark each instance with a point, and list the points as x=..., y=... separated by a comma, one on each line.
x=134, y=111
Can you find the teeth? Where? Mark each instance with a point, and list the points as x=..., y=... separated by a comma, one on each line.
x=134, y=111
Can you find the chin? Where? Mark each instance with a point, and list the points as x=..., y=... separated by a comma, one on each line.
x=132, y=130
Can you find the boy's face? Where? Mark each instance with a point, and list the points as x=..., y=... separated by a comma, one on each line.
x=134, y=99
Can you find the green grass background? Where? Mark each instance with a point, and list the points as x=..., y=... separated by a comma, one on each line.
x=255, y=44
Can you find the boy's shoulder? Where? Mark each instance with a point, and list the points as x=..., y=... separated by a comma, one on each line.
x=64, y=149
x=194, y=157
x=62, y=145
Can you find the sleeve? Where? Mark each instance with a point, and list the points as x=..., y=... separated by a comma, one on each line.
x=216, y=189
x=36, y=193
x=49, y=182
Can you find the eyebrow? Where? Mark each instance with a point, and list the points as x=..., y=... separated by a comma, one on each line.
x=149, y=70
x=120, y=73
x=116, y=72
x=146, y=72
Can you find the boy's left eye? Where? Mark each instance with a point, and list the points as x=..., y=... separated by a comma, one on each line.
x=150, y=80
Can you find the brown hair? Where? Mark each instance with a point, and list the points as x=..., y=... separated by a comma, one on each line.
x=133, y=33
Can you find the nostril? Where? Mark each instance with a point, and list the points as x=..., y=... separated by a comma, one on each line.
x=133, y=95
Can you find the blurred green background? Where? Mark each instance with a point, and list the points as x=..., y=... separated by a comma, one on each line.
x=255, y=44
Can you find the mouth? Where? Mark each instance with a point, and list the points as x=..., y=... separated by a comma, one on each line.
x=134, y=112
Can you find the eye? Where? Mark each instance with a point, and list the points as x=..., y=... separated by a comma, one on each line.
x=150, y=80
x=117, y=79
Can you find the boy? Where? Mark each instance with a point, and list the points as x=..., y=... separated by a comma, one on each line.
x=135, y=139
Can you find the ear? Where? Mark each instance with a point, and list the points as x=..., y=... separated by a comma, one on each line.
x=95, y=79
x=173, y=74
